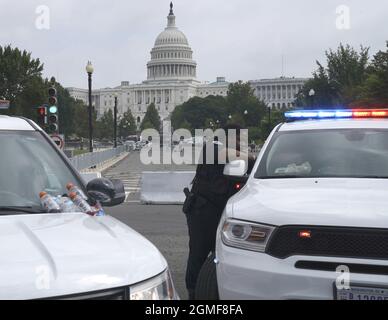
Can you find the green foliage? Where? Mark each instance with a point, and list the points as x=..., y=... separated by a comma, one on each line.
x=21, y=82
x=339, y=83
x=17, y=71
x=105, y=126
x=151, y=119
x=197, y=113
x=81, y=124
x=127, y=125
x=270, y=121
x=33, y=95
x=241, y=99
x=374, y=91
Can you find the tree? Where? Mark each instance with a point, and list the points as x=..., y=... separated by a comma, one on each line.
x=104, y=126
x=17, y=71
x=339, y=83
x=266, y=126
x=33, y=95
x=127, y=125
x=151, y=119
x=197, y=113
x=241, y=99
x=374, y=92
x=81, y=124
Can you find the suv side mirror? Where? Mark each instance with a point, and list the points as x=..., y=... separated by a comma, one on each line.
x=109, y=193
x=236, y=169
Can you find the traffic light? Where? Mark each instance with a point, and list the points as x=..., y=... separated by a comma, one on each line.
x=41, y=116
x=52, y=97
x=52, y=112
x=53, y=126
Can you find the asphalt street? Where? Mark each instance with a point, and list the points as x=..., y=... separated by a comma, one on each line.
x=164, y=226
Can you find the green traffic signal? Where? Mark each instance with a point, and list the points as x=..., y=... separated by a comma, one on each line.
x=53, y=109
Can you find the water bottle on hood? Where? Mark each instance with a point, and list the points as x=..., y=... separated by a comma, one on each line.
x=81, y=203
x=73, y=188
x=48, y=203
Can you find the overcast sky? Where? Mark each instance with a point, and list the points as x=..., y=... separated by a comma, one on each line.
x=238, y=39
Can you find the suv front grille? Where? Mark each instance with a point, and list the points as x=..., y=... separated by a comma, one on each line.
x=329, y=241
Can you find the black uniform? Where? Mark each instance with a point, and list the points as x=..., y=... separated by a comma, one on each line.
x=210, y=193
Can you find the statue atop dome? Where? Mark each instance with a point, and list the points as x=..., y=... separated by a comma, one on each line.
x=171, y=9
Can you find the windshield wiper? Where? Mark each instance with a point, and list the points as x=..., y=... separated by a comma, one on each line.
x=5, y=210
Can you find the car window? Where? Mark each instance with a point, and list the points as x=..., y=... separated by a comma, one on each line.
x=28, y=166
x=356, y=153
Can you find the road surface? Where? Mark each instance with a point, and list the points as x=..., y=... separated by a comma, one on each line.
x=164, y=226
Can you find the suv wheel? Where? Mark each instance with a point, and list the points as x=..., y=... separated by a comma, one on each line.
x=207, y=287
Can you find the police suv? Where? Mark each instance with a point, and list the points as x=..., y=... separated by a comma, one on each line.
x=70, y=255
x=312, y=219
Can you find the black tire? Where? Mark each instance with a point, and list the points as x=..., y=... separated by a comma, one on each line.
x=207, y=286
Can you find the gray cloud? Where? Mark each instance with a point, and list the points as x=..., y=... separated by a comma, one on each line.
x=239, y=39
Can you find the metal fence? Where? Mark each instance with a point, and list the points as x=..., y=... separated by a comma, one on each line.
x=89, y=160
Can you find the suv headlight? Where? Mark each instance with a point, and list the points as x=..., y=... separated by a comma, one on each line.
x=246, y=235
x=158, y=288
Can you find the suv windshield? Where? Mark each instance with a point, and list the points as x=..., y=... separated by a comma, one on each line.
x=355, y=153
x=29, y=165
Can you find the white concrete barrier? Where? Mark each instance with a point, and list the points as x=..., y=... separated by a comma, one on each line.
x=164, y=187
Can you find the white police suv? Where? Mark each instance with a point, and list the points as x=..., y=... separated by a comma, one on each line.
x=71, y=255
x=312, y=219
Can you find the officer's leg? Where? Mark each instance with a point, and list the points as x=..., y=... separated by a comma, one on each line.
x=202, y=224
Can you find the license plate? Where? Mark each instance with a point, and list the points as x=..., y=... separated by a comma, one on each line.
x=362, y=293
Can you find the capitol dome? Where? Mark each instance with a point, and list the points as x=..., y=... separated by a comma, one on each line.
x=171, y=57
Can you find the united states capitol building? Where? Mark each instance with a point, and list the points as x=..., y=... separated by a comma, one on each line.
x=171, y=81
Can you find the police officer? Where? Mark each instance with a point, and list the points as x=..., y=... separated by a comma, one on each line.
x=204, y=206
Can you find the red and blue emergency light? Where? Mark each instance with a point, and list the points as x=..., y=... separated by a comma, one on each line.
x=336, y=114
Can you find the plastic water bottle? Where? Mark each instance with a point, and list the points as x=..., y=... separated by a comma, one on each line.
x=48, y=203
x=81, y=203
x=66, y=205
x=73, y=188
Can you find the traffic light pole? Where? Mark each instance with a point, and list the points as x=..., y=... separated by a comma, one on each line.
x=90, y=113
x=115, y=123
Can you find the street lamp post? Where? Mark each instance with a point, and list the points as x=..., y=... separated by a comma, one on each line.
x=90, y=70
x=115, y=123
x=269, y=116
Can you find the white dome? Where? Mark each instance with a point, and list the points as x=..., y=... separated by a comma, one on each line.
x=171, y=57
x=171, y=36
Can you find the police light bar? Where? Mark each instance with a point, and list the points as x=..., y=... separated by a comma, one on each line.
x=336, y=114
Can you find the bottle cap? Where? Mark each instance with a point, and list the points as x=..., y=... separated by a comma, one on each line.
x=72, y=195
x=69, y=186
x=42, y=194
